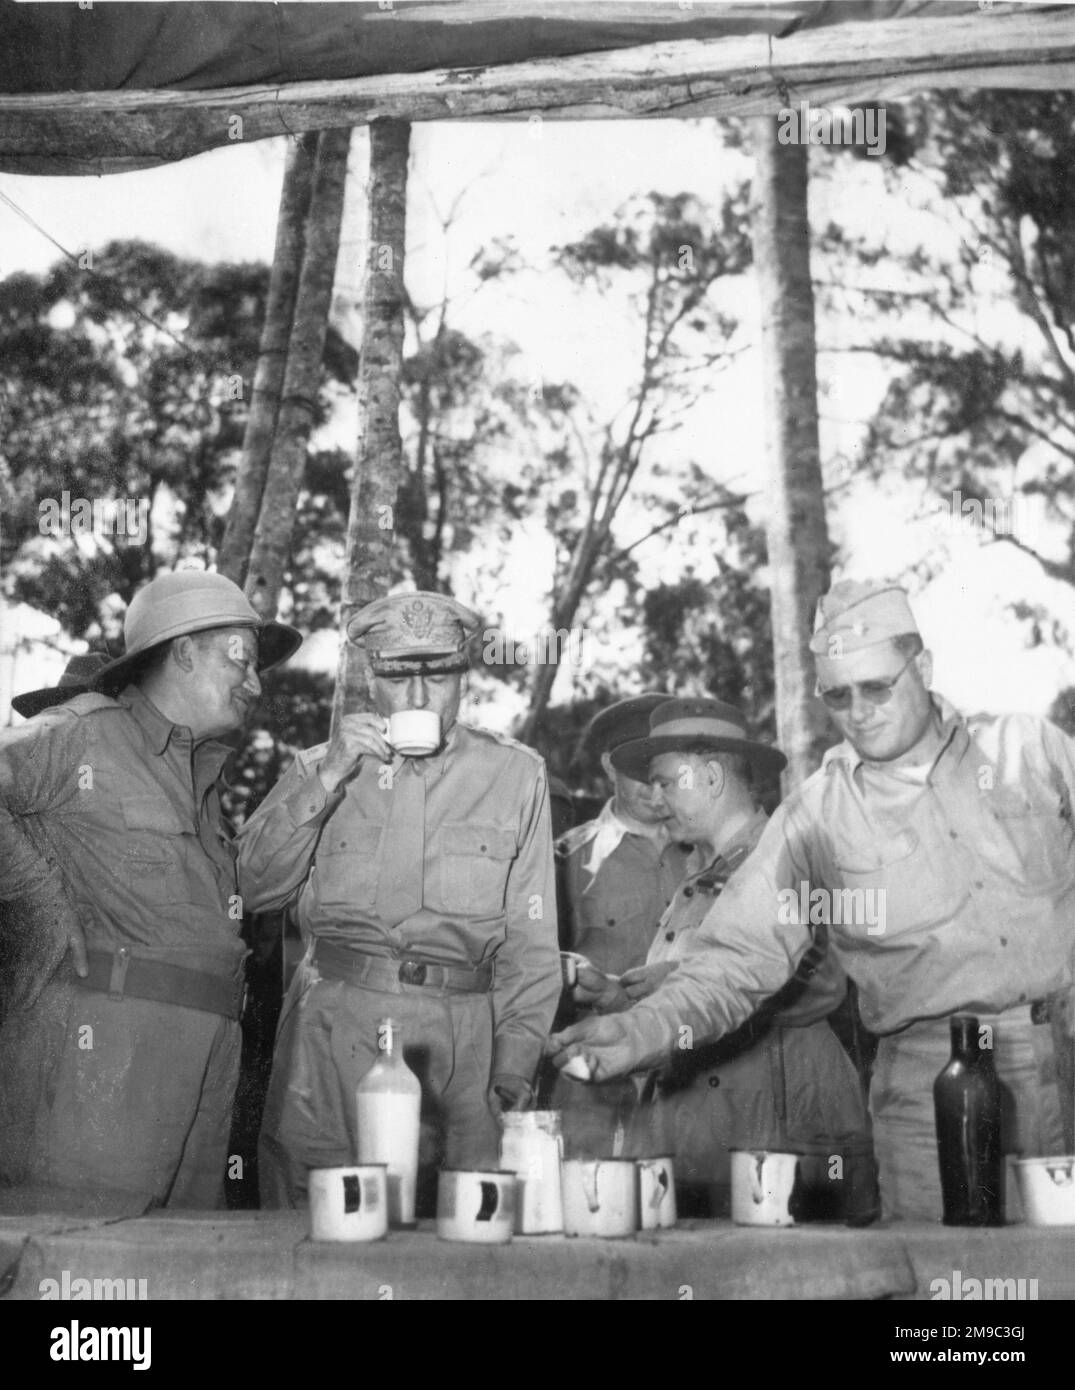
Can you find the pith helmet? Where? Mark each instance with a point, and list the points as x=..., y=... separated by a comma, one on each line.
x=186, y=601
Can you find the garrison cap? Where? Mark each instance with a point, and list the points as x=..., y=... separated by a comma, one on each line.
x=621, y=722
x=856, y=614
x=414, y=633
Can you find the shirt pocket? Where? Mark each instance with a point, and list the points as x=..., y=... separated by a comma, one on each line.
x=348, y=865
x=475, y=860
x=895, y=886
x=1037, y=840
x=156, y=843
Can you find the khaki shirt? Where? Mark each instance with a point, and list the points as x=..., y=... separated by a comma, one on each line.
x=971, y=863
x=821, y=984
x=111, y=800
x=612, y=911
x=488, y=889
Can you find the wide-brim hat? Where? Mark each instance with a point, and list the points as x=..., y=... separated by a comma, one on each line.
x=690, y=723
x=77, y=679
x=182, y=602
x=623, y=722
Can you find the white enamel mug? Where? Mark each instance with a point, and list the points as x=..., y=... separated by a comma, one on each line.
x=656, y=1193
x=349, y=1203
x=600, y=1196
x=762, y=1183
x=475, y=1206
x=414, y=732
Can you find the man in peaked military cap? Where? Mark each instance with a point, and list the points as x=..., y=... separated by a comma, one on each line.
x=425, y=888
x=123, y=978
x=941, y=851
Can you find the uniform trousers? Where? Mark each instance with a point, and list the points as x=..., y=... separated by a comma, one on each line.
x=325, y=1044
x=126, y=1096
x=901, y=1101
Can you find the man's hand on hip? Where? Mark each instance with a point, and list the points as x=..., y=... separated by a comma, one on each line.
x=602, y=1043
x=356, y=736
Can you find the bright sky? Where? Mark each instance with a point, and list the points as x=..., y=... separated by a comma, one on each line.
x=545, y=183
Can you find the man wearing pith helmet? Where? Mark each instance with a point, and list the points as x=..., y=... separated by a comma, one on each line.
x=424, y=886
x=120, y=1041
x=941, y=851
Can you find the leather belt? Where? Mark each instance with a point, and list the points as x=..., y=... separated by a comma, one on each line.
x=357, y=967
x=120, y=974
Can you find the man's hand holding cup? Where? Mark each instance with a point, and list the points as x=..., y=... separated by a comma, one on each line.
x=356, y=736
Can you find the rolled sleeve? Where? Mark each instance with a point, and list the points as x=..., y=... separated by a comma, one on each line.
x=526, y=987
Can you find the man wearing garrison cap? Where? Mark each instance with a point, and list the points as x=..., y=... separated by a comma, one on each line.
x=617, y=876
x=424, y=887
x=940, y=850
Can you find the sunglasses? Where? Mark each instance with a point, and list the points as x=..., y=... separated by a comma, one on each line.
x=876, y=692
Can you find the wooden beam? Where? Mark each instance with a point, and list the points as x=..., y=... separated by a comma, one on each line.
x=84, y=132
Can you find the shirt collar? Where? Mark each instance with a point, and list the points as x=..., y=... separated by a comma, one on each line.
x=159, y=729
x=735, y=851
x=611, y=828
x=952, y=725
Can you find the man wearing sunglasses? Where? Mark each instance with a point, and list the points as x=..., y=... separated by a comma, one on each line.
x=941, y=851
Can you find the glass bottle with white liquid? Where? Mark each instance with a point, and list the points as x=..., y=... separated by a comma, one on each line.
x=389, y=1100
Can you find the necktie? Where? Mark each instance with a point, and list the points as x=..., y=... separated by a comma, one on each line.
x=401, y=880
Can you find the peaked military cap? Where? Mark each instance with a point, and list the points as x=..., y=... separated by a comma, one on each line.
x=417, y=632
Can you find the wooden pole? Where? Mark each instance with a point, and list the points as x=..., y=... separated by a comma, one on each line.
x=371, y=534
x=287, y=463
x=233, y=558
x=798, y=539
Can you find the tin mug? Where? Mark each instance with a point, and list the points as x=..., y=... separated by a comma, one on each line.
x=600, y=1197
x=762, y=1185
x=349, y=1203
x=656, y=1193
x=475, y=1206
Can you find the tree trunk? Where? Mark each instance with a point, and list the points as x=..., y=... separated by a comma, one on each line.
x=379, y=461
x=283, y=481
x=798, y=538
x=233, y=558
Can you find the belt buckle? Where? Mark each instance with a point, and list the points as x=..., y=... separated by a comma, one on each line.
x=1040, y=1011
x=412, y=972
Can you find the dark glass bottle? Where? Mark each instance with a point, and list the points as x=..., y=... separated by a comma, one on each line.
x=967, y=1104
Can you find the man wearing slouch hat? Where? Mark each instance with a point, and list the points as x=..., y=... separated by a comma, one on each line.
x=123, y=974
x=957, y=835
x=423, y=884
x=617, y=875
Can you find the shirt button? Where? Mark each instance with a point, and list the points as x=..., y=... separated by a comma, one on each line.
x=1004, y=941
x=978, y=883
x=669, y=936
x=611, y=921
x=483, y=848
x=688, y=892
x=953, y=835
x=714, y=1081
